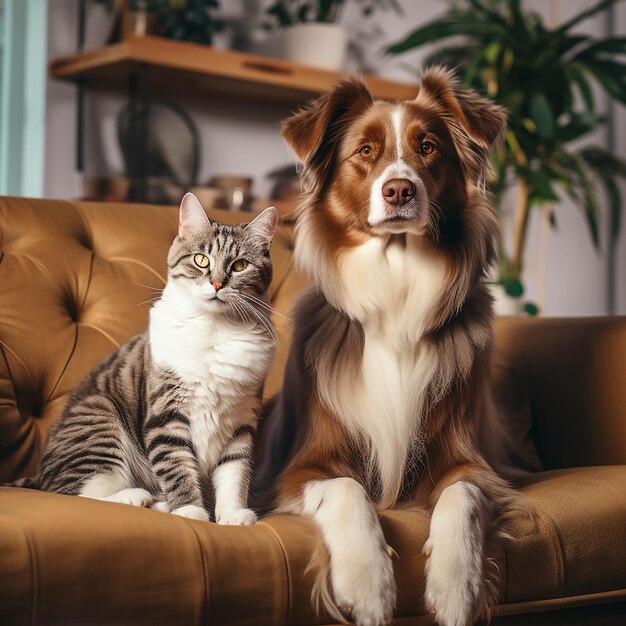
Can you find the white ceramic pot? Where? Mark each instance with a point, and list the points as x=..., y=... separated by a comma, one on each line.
x=504, y=304
x=317, y=44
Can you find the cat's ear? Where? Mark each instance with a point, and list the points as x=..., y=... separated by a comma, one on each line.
x=263, y=226
x=192, y=217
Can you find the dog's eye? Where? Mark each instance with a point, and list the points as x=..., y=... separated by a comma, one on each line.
x=427, y=147
x=366, y=151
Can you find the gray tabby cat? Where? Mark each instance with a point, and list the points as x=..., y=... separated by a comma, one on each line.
x=173, y=412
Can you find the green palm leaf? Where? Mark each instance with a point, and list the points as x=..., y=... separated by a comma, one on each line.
x=581, y=17
x=547, y=78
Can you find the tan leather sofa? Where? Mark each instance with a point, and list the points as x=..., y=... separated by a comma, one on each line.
x=72, y=279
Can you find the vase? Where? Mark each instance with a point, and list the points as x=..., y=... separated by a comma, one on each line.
x=317, y=44
x=503, y=303
x=143, y=23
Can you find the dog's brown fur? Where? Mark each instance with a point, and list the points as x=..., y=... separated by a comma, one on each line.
x=459, y=229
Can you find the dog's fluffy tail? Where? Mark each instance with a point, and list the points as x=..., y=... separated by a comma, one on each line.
x=321, y=593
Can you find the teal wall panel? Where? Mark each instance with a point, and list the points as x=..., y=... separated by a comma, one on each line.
x=23, y=96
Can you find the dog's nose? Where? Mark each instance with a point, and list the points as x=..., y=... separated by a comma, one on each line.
x=398, y=191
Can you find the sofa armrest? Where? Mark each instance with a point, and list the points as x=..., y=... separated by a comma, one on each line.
x=575, y=371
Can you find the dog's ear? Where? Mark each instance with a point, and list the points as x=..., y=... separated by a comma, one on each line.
x=320, y=122
x=483, y=120
x=475, y=123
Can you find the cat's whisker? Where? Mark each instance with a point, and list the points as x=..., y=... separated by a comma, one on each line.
x=245, y=311
x=256, y=299
x=265, y=305
x=262, y=319
x=150, y=287
x=149, y=300
x=245, y=316
x=239, y=309
x=234, y=309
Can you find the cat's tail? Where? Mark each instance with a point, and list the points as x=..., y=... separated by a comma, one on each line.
x=28, y=482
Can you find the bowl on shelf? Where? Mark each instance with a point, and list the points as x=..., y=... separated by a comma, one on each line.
x=106, y=188
x=210, y=197
x=236, y=189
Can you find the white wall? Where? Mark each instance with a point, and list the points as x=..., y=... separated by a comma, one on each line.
x=575, y=280
x=242, y=137
x=60, y=178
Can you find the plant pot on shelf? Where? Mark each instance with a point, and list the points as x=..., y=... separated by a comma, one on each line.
x=144, y=23
x=318, y=44
x=505, y=304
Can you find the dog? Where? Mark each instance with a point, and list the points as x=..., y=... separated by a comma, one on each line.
x=386, y=392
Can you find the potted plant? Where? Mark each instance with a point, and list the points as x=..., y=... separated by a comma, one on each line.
x=186, y=20
x=544, y=77
x=312, y=36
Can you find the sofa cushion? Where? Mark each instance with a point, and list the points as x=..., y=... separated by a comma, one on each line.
x=73, y=560
x=512, y=401
x=580, y=546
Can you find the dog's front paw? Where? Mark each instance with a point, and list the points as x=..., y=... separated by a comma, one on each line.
x=448, y=597
x=364, y=587
x=455, y=585
x=235, y=517
x=192, y=511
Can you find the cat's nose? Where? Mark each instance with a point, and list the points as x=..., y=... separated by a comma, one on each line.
x=217, y=286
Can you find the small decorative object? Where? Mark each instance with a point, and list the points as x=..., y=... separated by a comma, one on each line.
x=143, y=19
x=543, y=76
x=101, y=23
x=106, y=189
x=167, y=164
x=186, y=20
x=210, y=197
x=285, y=183
x=312, y=36
x=236, y=190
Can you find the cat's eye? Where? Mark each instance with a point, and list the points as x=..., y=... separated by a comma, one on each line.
x=201, y=260
x=239, y=265
x=427, y=147
x=366, y=151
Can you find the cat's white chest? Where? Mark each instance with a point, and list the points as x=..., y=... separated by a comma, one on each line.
x=221, y=365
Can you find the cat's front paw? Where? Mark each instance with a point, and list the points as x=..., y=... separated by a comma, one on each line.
x=192, y=511
x=235, y=517
x=132, y=496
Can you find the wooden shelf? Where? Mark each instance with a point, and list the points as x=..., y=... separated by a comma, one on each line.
x=195, y=68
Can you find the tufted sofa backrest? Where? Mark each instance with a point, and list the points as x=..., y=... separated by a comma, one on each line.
x=76, y=281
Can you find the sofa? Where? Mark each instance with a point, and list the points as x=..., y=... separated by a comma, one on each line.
x=75, y=282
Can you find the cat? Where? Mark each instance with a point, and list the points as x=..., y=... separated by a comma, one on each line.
x=178, y=404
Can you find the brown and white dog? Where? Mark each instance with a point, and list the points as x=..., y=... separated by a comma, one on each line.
x=386, y=389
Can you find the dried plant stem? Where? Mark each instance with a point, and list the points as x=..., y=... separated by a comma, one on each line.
x=522, y=210
x=544, y=246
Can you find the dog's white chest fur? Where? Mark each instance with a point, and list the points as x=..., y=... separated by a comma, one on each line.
x=222, y=364
x=391, y=285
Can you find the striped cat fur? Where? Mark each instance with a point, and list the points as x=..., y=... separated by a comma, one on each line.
x=168, y=419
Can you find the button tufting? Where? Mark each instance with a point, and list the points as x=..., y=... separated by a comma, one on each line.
x=37, y=411
x=84, y=239
x=72, y=308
